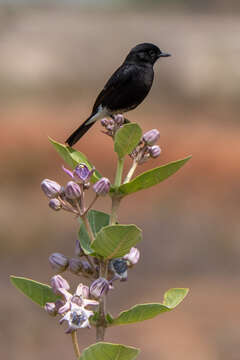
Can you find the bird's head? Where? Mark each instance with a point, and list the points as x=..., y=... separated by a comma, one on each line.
x=145, y=53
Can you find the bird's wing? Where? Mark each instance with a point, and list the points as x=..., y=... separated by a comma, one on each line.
x=116, y=83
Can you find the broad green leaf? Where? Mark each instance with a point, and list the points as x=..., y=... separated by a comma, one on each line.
x=37, y=292
x=97, y=220
x=126, y=139
x=107, y=351
x=152, y=177
x=174, y=296
x=114, y=241
x=142, y=312
x=74, y=157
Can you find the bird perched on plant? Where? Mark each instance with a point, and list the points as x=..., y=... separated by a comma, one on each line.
x=126, y=88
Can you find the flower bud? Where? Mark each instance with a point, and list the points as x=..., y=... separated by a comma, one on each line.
x=119, y=119
x=50, y=308
x=133, y=256
x=104, y=122
x=78, y=249
x=72, y=190
x=86, y=268
x=50, y=188
x=82, y=173
x=99, y=287
x=58, y=282
x=151, y=137
x=75, y=266
x=102, y=186
x=55, y=204
x=155, y=151
x=58, y=261
x=119, y=267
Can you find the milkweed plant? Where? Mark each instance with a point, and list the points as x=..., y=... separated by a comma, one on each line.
x=105, y=249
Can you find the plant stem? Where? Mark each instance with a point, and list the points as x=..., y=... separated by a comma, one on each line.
x=131, y=172
x=115, y=205
x=75, y=344
x=101, y=323
x=88, y=227
x=118, y=178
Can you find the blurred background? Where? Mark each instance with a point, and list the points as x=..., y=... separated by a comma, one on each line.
x=55, y=58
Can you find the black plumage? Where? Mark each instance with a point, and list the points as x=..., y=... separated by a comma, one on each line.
x=126, y=88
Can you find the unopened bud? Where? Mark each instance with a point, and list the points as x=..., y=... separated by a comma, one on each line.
x=155, y=151
x=72, y=190
x=99, y=287
x=104, y=122
x=78, y=249
x=75, y=266
x=50, y=308
x=50, y=188
x=102, y=186
x=87, y=268
x=58, y=282
x=55, y=204
x=58, y=261
x=133, y=256
x=151, y=137
x=119, y=119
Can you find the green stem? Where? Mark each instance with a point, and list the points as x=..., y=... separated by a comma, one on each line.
x=115, y=205
x=75, y=344
x=131, y=172
x=118, y=178
x=88, y=227
x=101, y=323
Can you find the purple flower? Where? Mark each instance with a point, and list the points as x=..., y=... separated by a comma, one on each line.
x=155, y=151
x=119, y=268
x=75, y=266
x=72, y=190
x=82, y=173
x=74, y=308
x=55, y=204
x=102, y=186
x=151, y=137
x=58, y=282
x=50, y=308
x=99, y=287
x=58, y=261
x=133, y=256
x=50, y=188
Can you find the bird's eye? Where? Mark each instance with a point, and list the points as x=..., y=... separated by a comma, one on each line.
x=152, y=53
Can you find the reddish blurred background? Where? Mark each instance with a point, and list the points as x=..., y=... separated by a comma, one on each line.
x=54, y=60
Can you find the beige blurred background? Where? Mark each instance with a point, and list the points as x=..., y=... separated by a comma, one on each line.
x=55, y=58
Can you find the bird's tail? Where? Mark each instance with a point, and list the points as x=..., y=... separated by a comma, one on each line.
x=77, y=134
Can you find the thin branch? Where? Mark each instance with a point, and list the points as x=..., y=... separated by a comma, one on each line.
x=75, y=344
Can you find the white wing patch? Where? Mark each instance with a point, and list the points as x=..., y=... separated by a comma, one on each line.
x=101, y=112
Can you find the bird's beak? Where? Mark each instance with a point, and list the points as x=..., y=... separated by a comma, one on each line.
x=163, y=54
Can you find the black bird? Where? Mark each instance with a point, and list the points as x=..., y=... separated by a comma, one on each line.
x=126, y=88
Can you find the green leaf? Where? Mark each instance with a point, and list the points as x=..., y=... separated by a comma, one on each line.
x=37, y=292
x=142, y=312
x=152, y=177
x=126, y=139
x=74, y=157
x=97, y=220
x=114, y=241
x=107, y=351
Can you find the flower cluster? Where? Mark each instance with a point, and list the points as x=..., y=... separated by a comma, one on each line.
x=146, y=148
x=112, y=125
x=72, y=308
x=82, y=267
x=71, y=197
